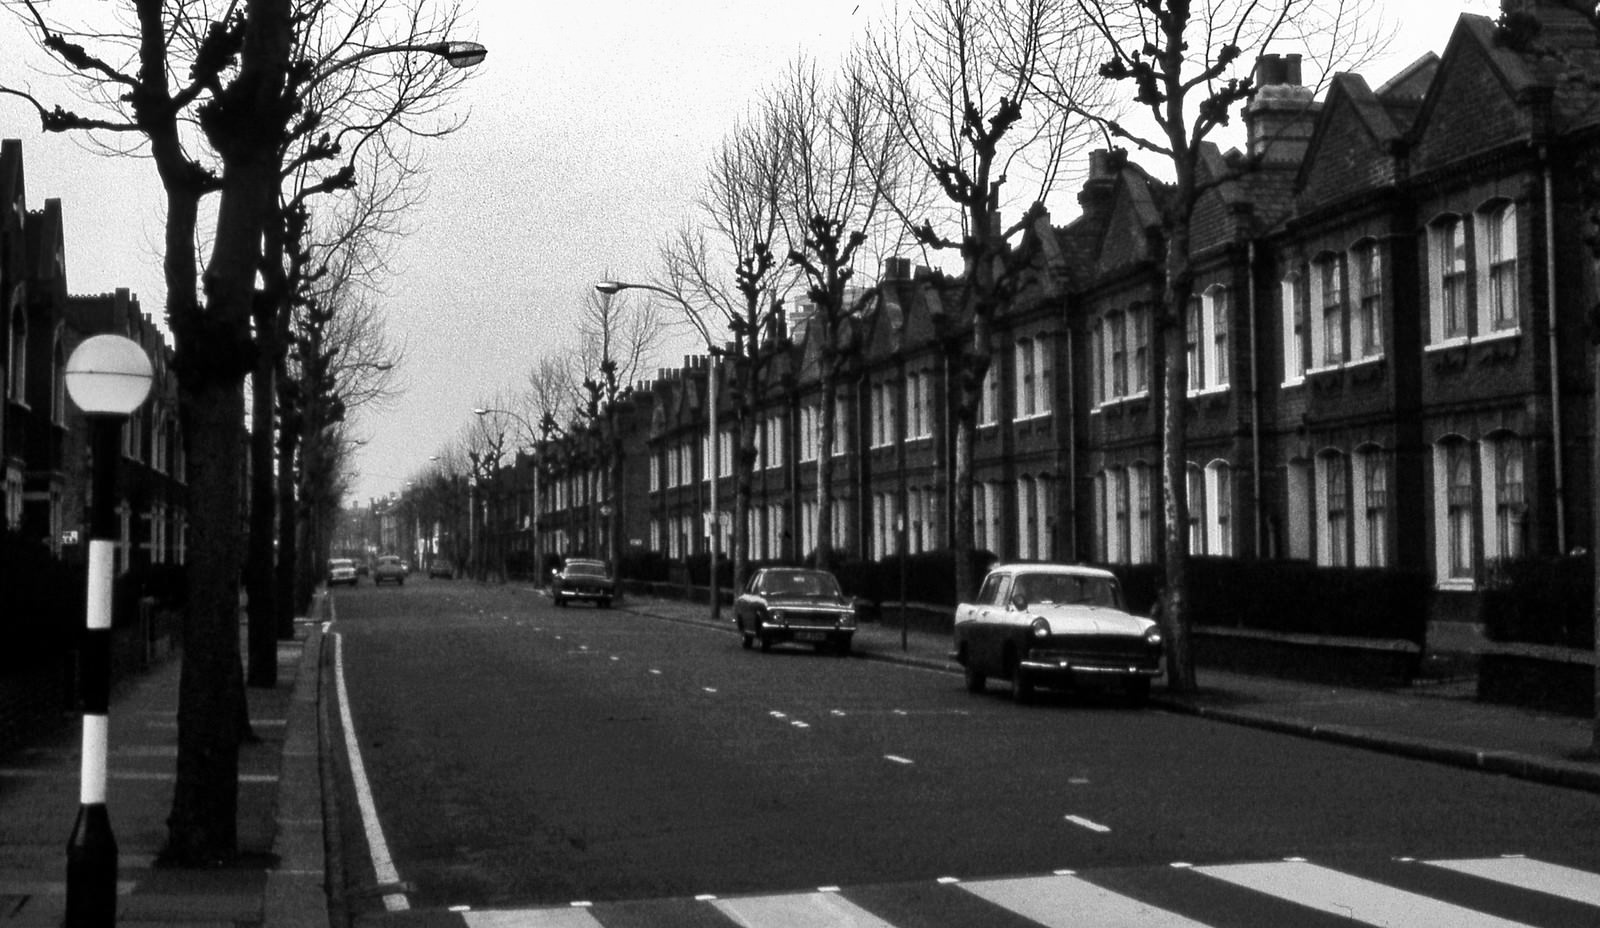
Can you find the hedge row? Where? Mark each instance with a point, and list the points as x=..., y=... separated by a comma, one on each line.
x=1542, y=601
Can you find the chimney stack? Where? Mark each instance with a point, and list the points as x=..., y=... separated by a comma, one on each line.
x=1280, y=118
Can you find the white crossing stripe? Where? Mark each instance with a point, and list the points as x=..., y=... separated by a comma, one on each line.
x=1071, y=902
x=1352, y=897
x=801, y=910
x=1552, y=879
x=531, y=918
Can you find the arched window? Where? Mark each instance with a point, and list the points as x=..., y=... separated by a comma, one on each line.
x=1366, y=330
x=1505, y=499
x=1497, y=267
x=1296, y=345
x=1219, y=508
x=1333, y=509
x=1196, y=487
x=1455, y=500
x=1448, y=277
x=1369, y=475
x=1330, y=347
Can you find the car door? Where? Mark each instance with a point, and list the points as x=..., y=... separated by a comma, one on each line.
x=983, y=625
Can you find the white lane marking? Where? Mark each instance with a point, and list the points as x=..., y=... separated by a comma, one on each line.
x=1351, y=897
x=382, y=861
x=897, y=758
x=948, y=880
x=1078, y=781
x=777, y=715
x=1082, y=822
x=655, y=671
x=837, y=713
x=1551, y=879
x=800, y=910
x=1071, y=902
x=799, y=724
x=710, y=689
x=531, y=918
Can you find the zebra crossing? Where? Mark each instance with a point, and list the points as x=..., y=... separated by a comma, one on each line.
x=1492, y=892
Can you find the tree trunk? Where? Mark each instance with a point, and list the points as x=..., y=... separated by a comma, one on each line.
x=829, y=426
x=1174, y=425
x=202, y=826
x=286, y=600
x=259, y=564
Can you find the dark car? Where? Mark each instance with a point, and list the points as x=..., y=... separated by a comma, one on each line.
x=439, y=567
x=583, y=578
x=1054, y=625
x=782, y=604
x=389, y=569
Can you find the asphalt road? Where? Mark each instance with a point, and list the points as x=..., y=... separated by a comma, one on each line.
x=520, y=755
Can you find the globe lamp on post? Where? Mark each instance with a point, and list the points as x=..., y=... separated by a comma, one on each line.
x=108, y=377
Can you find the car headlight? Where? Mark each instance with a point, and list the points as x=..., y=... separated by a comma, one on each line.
x=776, y=615
x=1152, y=636
x=1040, y=628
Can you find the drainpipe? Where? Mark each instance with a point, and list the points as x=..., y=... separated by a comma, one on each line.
x=1555, y=365
x=1255, y=396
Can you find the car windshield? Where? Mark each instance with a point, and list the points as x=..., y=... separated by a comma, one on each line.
x=587, y=570
x=1065, y=589
x=388, y=562
x=800, y=583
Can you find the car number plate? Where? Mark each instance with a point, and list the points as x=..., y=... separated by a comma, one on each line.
x=809, y=636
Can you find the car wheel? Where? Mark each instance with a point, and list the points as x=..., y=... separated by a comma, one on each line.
x=605, y=604
x=766, y=643
x=748, y=641
x=560, y=601
x=1138, y=691
x=974, y=678
x=841, y=646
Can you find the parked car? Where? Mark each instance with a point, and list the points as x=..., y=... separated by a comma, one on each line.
x=583, y=578
x=439, y=567
x=389, y=570
x=362, y=569
x=1054, y=625
x=341, y=570
x=781, y=604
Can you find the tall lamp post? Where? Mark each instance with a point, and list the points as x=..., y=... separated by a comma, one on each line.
x=616, y=286
x=108, y=377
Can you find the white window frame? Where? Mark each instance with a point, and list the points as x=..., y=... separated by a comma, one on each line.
x=1449, y=269
x=1495, y=247
x=1366, y=300
x=1455, y=520
x=1292, y=298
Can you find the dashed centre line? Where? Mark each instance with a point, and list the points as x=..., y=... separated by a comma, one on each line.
x=1082, y=822
x=896, y=758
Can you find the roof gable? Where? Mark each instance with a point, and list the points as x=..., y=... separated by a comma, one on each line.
x=1352, y=147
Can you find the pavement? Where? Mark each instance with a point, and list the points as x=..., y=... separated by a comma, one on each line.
x=280, y=880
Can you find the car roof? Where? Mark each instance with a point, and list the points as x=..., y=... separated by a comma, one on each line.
x=592, y=562
x=1071, y=570
x=340, y=560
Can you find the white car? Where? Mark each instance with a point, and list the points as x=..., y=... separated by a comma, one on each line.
x=1054, y=625
x=341, y=570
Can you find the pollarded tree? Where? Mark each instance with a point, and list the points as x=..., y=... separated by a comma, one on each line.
x=1188, y=68
x=958, y=80
x=835, y=213
x=729, y=276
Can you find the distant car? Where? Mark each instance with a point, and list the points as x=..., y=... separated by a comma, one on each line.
x=583, y=578
x=341, y=570
x=782, y=604
x=363, y=569
x=1054, y=625
x=439, y=567
x=389, y=569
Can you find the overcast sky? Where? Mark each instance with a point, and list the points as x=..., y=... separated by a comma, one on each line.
x=591, y=127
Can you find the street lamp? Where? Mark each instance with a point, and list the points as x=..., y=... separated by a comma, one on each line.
x=108, y=377
x=614, y=286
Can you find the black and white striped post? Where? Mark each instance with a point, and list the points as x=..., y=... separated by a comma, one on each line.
x=108, y=377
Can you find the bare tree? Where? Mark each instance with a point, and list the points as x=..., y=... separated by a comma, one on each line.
x=358, y=108
x=1188, y=67
x=733, y=267
x=836, y=216
x=957, y=80
x=618, y=338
